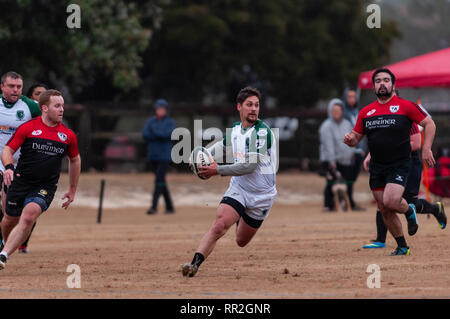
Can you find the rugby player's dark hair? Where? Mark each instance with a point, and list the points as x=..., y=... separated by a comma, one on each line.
x=386, y=70
x=36, y=85
x=44, y=98
x=12, y=75
x=247, y=92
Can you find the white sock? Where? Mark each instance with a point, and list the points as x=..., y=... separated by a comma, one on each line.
x=4, y=253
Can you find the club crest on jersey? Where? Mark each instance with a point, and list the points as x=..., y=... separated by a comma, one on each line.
x=371, y=112
x=262, y=132
x=394, y=108
x=20, y=115
x=36, y=132
x=62, y=136
x=43, y=192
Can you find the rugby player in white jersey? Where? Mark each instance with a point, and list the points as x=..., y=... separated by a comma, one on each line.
x=15, y=109
x=252, y=190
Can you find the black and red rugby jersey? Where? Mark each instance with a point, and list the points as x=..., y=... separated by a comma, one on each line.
x=42, y=150
x=388, y=128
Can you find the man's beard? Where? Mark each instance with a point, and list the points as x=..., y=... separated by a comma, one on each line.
x=251, y=120
x=385, y=94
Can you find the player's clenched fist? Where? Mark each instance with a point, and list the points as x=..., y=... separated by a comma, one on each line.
x=350, y=139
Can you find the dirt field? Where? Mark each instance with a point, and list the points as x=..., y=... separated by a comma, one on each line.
x=298, y=253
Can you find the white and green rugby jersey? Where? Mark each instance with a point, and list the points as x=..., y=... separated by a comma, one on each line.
x=257, y=139
x=12, y=115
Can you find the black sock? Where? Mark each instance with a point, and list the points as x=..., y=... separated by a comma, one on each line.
x=425, y=207
x=198, y=259
x=401, y=242
x=381, y=228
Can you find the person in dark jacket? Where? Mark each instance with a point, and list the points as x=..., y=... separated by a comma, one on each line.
x=157, y=134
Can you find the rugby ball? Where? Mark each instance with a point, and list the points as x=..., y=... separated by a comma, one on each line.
x=200, y=156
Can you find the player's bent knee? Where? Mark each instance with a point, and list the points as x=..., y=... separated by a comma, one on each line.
x=28, y=220
x=391, y=204
x=219, y=228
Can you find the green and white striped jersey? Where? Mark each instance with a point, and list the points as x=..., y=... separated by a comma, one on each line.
x=257, y=139
x=12, y=115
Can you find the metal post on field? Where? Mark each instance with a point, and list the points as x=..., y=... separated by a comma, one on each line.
x=100, y=205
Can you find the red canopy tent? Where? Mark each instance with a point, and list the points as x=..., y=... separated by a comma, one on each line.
x=427, y=70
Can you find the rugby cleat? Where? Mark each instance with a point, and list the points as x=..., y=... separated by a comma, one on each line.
x=441, y=217
x=189, y=270
x=400, y=251
x=2, y=261
x=413, y=222
x=375, y=244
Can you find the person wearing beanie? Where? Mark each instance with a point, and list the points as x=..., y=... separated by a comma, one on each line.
x=157, y=135
x=334, y=155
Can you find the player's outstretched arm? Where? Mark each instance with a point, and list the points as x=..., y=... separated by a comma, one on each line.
x=7, y=159
x=429, y=132
x=74, y=175
x=237, y=169
x=352, y=139
x=240, y=168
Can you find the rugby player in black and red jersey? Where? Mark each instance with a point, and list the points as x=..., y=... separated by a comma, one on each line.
x=44, y=142
x=411, y=193
x=387, y=125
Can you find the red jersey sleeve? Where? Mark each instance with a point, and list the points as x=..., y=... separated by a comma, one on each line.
x=359, y=124
x=416, y=113
x=414, y=129
x=18, y=137
x=73, y=145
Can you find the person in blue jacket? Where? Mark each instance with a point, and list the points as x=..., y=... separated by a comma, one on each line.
x=157, y=134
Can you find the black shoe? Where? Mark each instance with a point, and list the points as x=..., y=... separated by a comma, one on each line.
x=413, y=223
x=3, y=260
x=441, y=217
x=189, y=270
x=170, y=211
x=152, y=211
x=399, y=251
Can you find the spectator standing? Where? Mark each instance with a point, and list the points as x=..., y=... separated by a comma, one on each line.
x=157, y=134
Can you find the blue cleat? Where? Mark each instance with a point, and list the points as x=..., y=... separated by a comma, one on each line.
x=413, y=223
x=441, y=217
x=400, y=251
x=375, y=244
